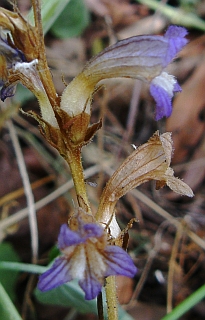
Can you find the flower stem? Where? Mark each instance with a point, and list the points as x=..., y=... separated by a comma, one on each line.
x=112, y=303
x=75, y=163
x=43, y=69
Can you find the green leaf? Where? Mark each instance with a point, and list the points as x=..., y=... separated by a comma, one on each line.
x=7, y=277
x=72, y=21
x=51, y=9
x=176, y=15
x=53, y=253
x=23, y=267
x=123, y=315
x=22, y=94
x=186, y=305
x=71, y=295
x=67, y=295
x=7, y=309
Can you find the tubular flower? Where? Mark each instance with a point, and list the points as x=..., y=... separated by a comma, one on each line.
x=87, y=257
x=141, y=57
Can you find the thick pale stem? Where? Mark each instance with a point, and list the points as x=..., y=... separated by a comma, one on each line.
x=111, y=296
x=76, y=168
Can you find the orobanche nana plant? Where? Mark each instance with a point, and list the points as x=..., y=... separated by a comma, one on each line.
x=90, y=244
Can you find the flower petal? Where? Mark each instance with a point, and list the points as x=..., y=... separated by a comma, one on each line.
x=162, y=89
x=163, y=101
x=177, y=185
x=7, y=92
x=67, y=237
x=175, y=35
x=90, y=285
x=11, y=54
x=93, y=230
x=177, y=87
x=57, y=275
x=119, y=262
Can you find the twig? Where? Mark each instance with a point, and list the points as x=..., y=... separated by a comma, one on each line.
x=20, y=215
x=152, y=254
x=133, y=111
x=27, y=190
x=170, y=280
x=163, y=213
x=18, y=193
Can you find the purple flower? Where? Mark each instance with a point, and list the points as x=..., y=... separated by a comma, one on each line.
x=9, y=57
x=87, y=257
x=143, y=57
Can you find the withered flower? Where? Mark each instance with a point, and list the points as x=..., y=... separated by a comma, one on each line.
x=150, y=161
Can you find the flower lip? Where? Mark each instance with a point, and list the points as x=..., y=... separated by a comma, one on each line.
x=59, y=272
x=67, y=237
x=162, y=89
x=176, y=36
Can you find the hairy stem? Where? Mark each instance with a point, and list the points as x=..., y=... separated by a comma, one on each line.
x=75, y=163
x=111, y=296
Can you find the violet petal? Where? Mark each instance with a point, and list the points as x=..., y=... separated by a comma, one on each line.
x=90, y=285
x=177, y=88
x=175, y=35
x=163, y=101
x=57, y=275
x=119, y=262
x=92, y=230
x=67, y=237
x=7, y=92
